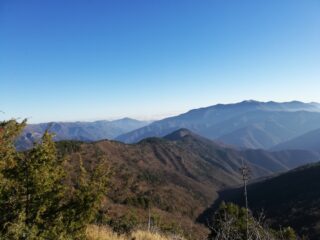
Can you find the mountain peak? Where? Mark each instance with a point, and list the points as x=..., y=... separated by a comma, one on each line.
x=179, y=134
x=250, y=101
x=125, y=119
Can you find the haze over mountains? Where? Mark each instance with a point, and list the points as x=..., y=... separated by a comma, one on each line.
x=309, y=141
x=81, y=131
x=248, y=124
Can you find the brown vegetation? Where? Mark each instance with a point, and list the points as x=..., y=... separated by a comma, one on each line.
x=177, y=177
x=104, y=233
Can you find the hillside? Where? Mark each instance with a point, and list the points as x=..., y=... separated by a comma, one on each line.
x=81, y=131
x=178, y=175
x=290, y=199
x=309, y=141
x=248, y=124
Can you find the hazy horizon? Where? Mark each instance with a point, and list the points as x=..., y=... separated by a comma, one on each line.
x=155, y=118
x=94, y=60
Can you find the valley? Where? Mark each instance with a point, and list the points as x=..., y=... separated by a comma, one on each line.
x=177, y=176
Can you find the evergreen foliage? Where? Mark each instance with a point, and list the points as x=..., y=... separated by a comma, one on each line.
x=35, y=202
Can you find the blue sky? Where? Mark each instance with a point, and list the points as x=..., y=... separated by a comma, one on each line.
x=68, y=60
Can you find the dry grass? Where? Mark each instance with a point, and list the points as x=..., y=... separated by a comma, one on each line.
x=103, y=233
x=143, y=235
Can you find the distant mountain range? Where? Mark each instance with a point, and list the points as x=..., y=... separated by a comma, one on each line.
x=179, y=174
x=82, y=131
x=290, y=199
x=309, y=141
x=248, y=124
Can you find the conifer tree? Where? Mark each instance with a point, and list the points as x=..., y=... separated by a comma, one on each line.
x=35, y=201
x=87, y=194
x=11, y=215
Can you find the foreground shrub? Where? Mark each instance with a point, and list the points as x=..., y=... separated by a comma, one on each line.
x=35, y=201
x=230, y=222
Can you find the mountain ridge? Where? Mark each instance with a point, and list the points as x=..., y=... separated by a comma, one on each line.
x=266, y=123
x=309, y=141
x=78, y=130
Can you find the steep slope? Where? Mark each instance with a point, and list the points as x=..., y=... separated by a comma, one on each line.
x=250, y=137
x=262, y=162
x=290, y=199
x=82, y=131
x=309, y=141
x=265, y=129
x=248, y=124
x=178, y=175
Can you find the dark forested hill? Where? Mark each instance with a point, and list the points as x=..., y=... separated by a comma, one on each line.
x=290, y=199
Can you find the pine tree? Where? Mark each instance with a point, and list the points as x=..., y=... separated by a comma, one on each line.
x=44, y=191
x=35, y=201
x=11, y=215
x=89, y=190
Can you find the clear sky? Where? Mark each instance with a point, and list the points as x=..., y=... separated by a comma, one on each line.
x=90, y=59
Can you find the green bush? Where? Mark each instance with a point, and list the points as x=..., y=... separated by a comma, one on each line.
x=35, y=202
x=230, y=222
